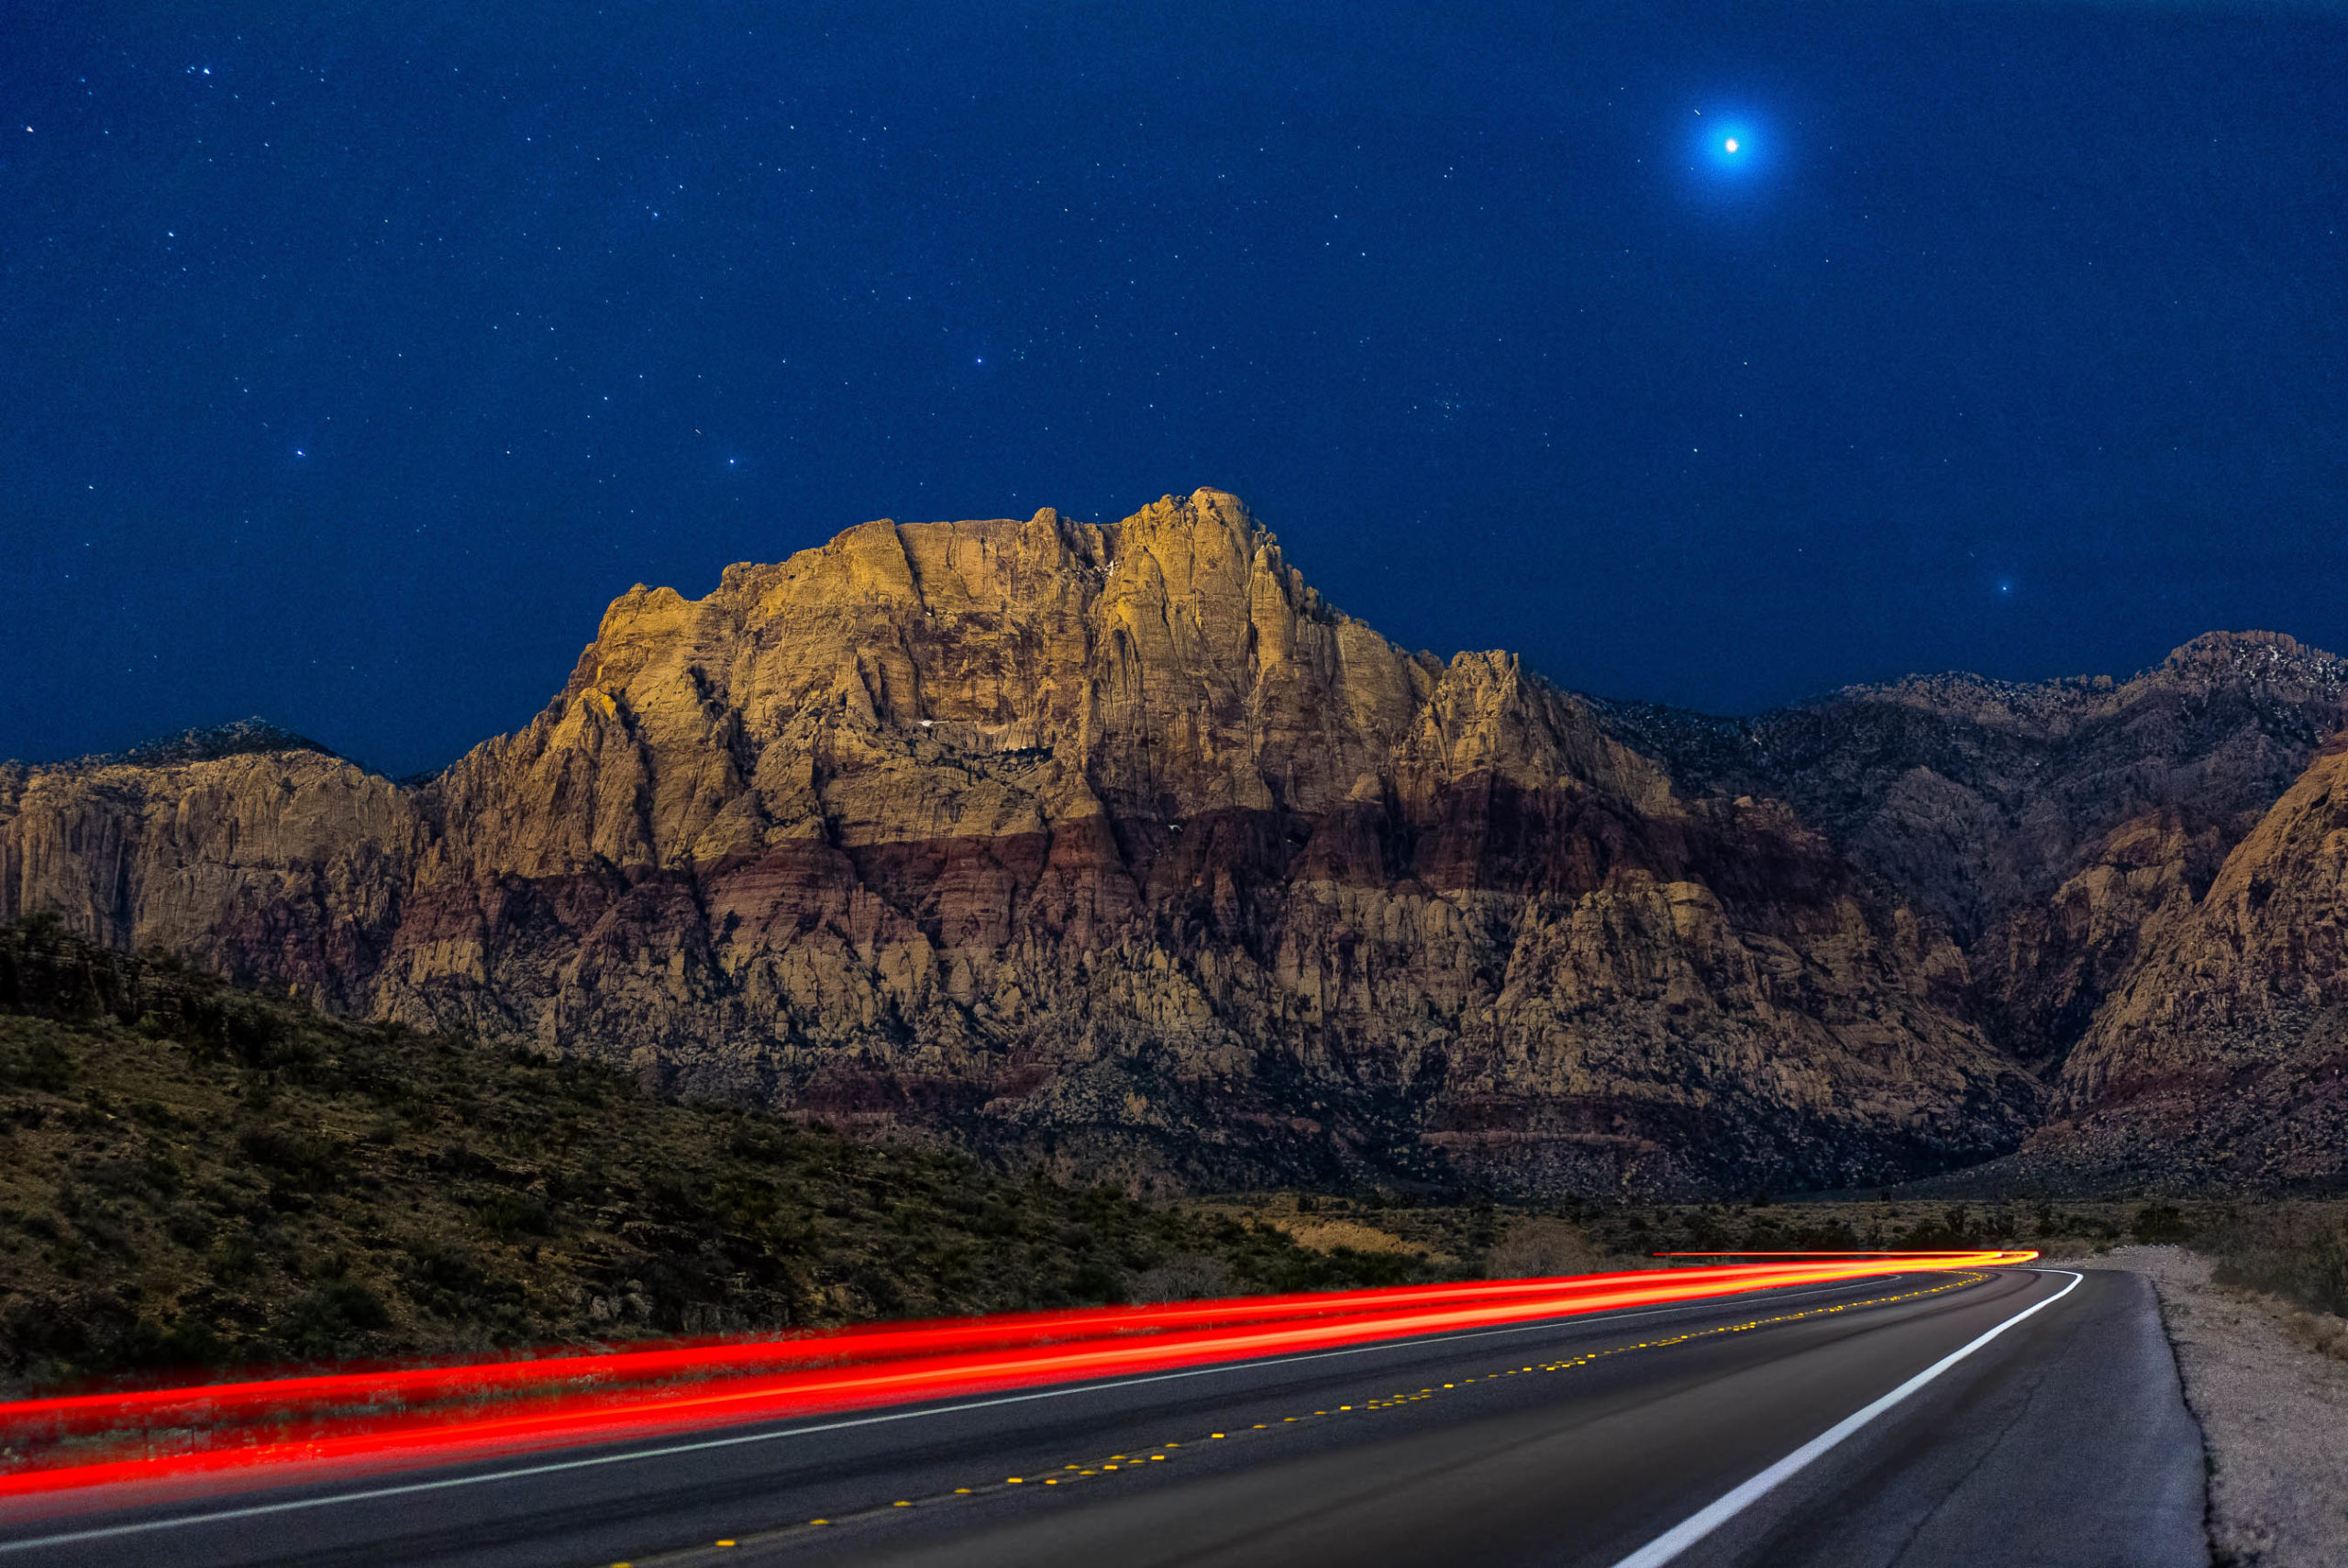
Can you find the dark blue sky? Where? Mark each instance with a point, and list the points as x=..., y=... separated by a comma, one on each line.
x=353, y=357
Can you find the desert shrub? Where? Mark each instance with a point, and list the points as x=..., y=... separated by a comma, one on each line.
x=1543, y=1249
x=40, y=1062
x=2318, y=1332
x=1090, y=1283
x=2297, y=1252
x=188, y=1226
x=332, y=1321
x=1186, y=1277
x=234, y=1257
x=303, y=1162
x=764, y=1145
x=442, y=1276
x=506, y=1215
x=190, y=1342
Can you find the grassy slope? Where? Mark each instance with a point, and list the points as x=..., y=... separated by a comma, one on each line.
x=194, y=1175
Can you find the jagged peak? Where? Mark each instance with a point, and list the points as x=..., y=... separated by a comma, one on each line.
x=2237, y=647
x=1208, y=503
x=2247, y=654
x=2273, y=670
x=1205, y=505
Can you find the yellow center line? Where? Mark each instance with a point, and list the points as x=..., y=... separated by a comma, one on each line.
x=1127, y=1461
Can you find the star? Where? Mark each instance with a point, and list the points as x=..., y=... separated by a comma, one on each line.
x=1730, y=145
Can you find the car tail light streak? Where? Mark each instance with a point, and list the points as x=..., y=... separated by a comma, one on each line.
x=276, y=1430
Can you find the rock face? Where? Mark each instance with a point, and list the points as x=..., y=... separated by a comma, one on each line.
x=2044, y=824
x=1117, y=848
x=1111, y=845
x=250, y=851
x=2222, y=1058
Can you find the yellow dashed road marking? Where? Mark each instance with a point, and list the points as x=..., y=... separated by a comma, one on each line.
x=1132, y=1462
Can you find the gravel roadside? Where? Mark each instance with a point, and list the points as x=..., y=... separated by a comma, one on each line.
x=2273, y=1414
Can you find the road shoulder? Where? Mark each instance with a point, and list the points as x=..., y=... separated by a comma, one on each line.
x=2273, y=1416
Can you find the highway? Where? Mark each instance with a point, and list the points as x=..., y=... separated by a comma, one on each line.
x=2005, y=1416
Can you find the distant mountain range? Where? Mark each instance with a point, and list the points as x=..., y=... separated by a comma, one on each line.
x=1120, y=850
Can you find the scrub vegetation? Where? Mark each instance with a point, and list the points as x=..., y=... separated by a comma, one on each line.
x=2296, y=1252
x=193, y=1174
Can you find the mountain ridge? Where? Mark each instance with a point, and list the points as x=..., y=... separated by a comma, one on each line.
x=1116, y=846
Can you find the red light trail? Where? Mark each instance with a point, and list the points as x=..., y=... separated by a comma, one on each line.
x=306, y=1428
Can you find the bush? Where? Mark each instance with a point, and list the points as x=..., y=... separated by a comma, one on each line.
x=307, y=1164
x=2299, y=1253
x=331, y=1318
x=1543, y=1249
x=41, y=1064
x=506, y=1215
x=1187, y=1276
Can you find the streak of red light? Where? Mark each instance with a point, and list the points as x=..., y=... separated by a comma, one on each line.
x=306, y=1428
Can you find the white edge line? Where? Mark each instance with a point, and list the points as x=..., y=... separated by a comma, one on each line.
x=292, y=1505
x=1667, y=1546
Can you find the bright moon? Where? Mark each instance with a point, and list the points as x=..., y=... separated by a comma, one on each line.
x=1730, y=145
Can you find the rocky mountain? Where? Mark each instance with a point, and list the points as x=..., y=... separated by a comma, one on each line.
x=2222, y=1060
x=2044, y=825
x=1118, y=848
x=259, y=855
x=1111, y=845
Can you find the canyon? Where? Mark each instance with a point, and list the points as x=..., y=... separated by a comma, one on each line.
x=1117, y=849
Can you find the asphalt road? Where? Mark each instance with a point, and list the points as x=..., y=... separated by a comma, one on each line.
x=2062, y=1440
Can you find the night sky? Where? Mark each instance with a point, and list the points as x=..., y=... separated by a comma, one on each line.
x=352, y=357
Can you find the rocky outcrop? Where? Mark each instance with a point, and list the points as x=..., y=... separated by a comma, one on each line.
x=2222, y=1058
x=2041, y=972
x=1114, y=846
x=2141, y=873
x=251, y=852
x=2042, y=824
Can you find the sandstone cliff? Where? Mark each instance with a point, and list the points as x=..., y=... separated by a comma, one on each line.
x=251, y=851
x=1111, y=845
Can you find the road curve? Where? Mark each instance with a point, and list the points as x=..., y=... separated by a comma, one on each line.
x=1780, y=1427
